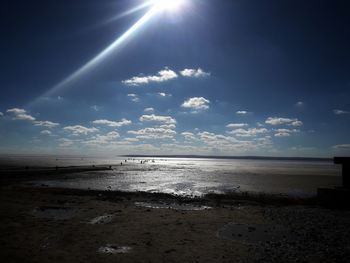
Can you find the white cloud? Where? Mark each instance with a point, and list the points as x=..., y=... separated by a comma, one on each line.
x=168, y=126
x=133, y=97
x=148, y=110
x=16, y=111
x=217, y=140
x=163, y=119
x=188, y=136
x=282, y=134
x=24, y=117
x=196, y=103
x=248, y=132
x=340, y=112
x=299, y=104
x=163, y=75
x=102, y=139
x=20, y=114
x=236, y=125
x=78, y=130
x=162, y=94
x=154, y=133
x=341, y=147
x=296, y=123
x=47, y=124
x=1, y=114
x=242, y=112
x=288, y=130
x=123, y=122
x=46, y=132
x=282, y=121
x=285, y=132
x=131, y=139
x=195, y=73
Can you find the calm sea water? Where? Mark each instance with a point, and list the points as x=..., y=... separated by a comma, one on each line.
x=195, y=177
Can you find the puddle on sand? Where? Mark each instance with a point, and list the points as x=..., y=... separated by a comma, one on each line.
x=114, y=249
x=253, y=233
x=54, y=212
x=105, y=219
x=175, y=206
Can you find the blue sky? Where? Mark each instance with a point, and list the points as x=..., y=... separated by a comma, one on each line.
x=209, y=77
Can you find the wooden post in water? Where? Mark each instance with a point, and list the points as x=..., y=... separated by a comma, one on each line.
x=345, y=162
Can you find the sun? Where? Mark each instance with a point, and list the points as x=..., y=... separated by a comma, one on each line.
x=168, y=5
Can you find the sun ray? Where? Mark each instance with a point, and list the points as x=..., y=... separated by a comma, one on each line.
x=101, y=56
x=157, y=6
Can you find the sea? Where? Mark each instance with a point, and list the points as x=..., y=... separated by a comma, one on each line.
x=195, y=176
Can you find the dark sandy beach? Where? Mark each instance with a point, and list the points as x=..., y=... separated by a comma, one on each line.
x=41, y=224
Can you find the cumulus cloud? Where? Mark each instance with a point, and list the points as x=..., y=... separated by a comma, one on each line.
x=188, y=136
x=165, y=74
x=281, y=121
x=282, y=134
x=285, y=132
x=299, y=104
x=46, y=132
x=24, y=117
x=340, y=112
x=99, y=139
x=248, y=132
x=47, y=124
x=217, y=140
x=148, y=109
x=236, y=125
x=78, y=130
x=154, y=133
x=296, y=123
x=196, y=103
x=1, y=114
x=168, y=126
x=157, y=118
x=163, y=94
x=242, y=112
x=194, y=73
x=20, y=114
x=16, y=111
x=133, y=97
x=123, y=122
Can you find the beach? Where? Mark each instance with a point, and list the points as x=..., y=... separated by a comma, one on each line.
x=57, y=224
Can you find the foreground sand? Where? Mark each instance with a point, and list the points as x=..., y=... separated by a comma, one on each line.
x=274, y=233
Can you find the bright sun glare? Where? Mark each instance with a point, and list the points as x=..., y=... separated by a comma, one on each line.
x=169, y=5
x=157, y=6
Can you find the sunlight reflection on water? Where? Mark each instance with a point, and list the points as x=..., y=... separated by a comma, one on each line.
x=195, y=177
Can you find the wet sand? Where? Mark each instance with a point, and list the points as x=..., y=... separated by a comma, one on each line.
x=40, y=224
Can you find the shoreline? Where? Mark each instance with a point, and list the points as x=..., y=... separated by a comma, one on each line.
x=43, y=224
x=26, y=176
x=269, y=158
